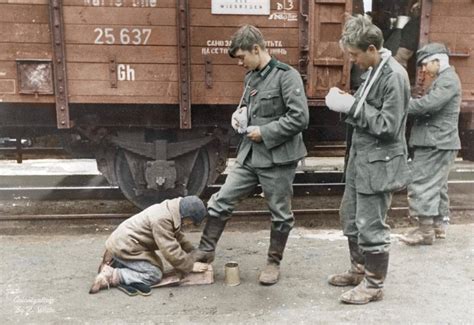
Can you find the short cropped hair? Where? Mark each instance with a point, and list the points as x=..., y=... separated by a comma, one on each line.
x=245, y=38
x=359, y=32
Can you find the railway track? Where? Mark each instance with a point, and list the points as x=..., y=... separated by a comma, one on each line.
x=242, y=215
x=317, y=196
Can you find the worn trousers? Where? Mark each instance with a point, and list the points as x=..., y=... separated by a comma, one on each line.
x=363, y=215
x=428, y=192
x=137, y=271
x=277, y=186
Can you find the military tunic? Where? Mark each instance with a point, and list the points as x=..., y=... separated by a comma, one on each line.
x=435, y=140
x=377, y=163
x=277, y=104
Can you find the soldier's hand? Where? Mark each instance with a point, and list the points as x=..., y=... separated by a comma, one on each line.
x=200, y=267
x=254, y=133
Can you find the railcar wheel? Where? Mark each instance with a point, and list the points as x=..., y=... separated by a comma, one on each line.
x=197, y=180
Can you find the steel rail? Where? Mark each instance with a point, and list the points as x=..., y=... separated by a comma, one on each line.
x=299, y=213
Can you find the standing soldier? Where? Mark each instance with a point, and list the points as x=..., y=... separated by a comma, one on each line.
x=435, y=141
x=377, y=163
x=275, y=110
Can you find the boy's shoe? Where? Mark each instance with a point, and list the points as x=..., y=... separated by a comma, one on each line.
x=134, y=289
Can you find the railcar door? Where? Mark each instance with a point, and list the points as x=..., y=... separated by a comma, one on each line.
x=327, y=65
x=450, y=22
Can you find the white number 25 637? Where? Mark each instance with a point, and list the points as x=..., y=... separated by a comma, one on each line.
x=124, y=36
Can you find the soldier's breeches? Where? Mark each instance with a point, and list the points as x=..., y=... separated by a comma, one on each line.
x=428, y=193
x=277, y=185
x=240, y=183
x=363, y=215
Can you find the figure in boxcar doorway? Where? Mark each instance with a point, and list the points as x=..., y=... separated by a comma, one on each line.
x=130, y=261
x=377, y=163
x=435, y=141
x=271, y=116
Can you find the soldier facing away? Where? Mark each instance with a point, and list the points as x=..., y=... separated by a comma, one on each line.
x=435, y=142
x=275, y=112
x=377, y=164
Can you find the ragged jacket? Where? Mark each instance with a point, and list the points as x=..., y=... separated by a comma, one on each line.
x=437, y=114
x=378, y=142
x=277, y=103
x=155, y=228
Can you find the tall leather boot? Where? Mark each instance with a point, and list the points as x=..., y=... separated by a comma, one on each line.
x=210, y=236
x=356, y=273
x=271, y=273
x=422, y=235
x=440, y=226
x=371, y=288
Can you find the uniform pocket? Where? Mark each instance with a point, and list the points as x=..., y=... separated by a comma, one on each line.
x=269, y=103
x=375, y=102
x=388, y=170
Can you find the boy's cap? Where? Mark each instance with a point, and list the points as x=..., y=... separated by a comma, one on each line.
x=192, y=207
x=429, y=50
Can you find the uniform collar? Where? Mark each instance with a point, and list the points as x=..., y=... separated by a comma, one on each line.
x=263, y=73
x=385, y=68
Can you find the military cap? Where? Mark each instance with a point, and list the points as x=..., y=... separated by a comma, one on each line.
x=428, y=50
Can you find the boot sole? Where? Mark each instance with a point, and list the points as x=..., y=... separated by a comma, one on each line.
x=417, y=244
x=344, y=285
x=352, y=302
x=268, y=283
x=410, y=243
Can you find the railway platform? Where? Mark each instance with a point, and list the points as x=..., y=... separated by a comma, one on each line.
x=45, y=280
x=48, y=265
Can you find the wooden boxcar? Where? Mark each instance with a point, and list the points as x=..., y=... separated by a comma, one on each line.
x=147, y=86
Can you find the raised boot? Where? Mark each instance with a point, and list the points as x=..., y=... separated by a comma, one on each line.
x=440, y=226
x=210, y=236
x=422, y=235
x=271, y=273
x=356, y=273
x=371, y=288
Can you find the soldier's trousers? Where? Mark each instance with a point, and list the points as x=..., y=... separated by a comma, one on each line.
x=428, y=192
x=363, y=216
x=277, y=186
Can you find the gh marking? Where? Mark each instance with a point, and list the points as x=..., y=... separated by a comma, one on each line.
x=125, y=72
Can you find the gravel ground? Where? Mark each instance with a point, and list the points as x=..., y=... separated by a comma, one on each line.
x=45, y=280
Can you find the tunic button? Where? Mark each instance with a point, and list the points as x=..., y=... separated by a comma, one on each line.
x=387, y=158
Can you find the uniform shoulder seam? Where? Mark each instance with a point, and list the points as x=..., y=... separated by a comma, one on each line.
x=283, y=66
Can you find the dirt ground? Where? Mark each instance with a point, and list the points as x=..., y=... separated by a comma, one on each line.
x=46, y=278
